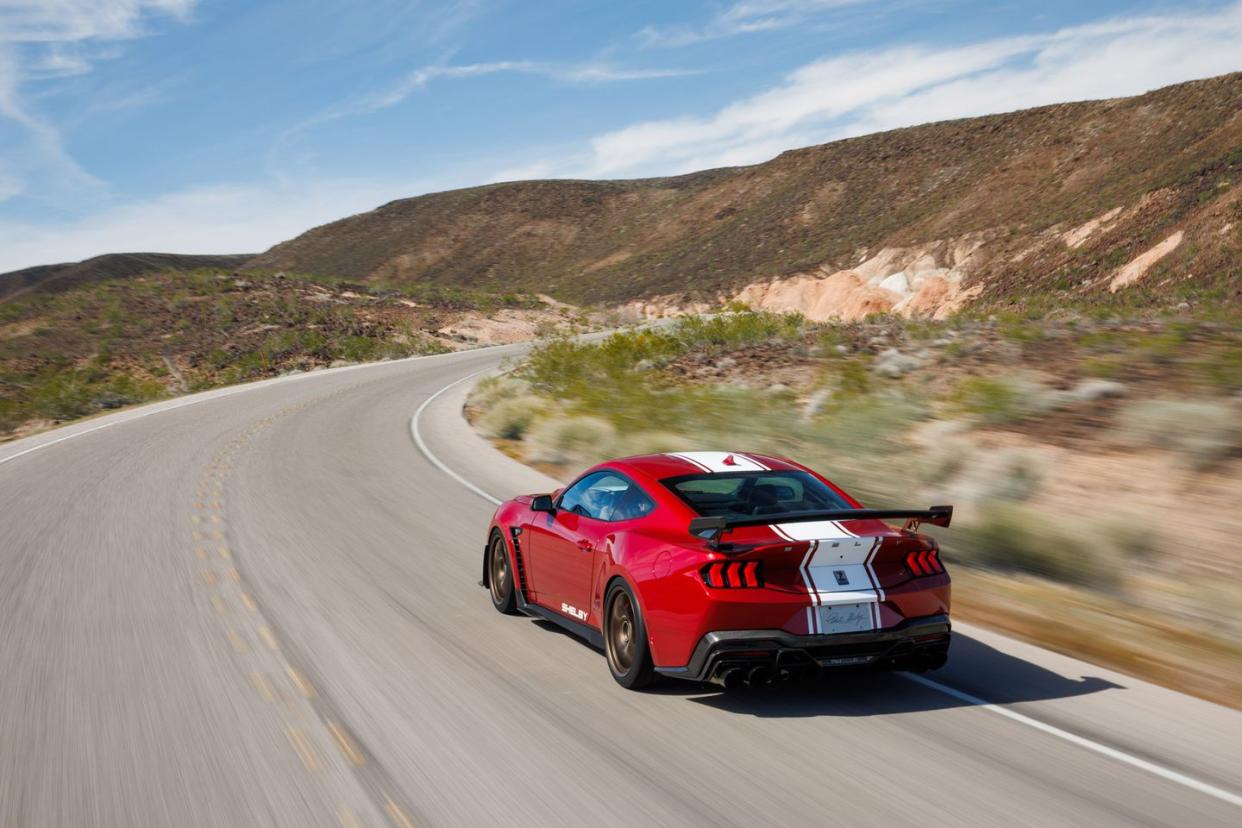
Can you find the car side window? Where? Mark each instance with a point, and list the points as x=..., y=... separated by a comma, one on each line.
x=573, y=499
x=635, y=504
x=606, y=496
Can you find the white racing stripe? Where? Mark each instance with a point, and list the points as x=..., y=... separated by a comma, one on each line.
x=720, y=461
x=835, y=554
x=1019, y=718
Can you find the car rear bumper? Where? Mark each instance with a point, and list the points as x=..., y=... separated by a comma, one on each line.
x=733, y=657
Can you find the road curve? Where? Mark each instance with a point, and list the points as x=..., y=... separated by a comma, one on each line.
x=258, y=606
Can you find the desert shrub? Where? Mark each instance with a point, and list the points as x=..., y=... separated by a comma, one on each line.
x=509, y=418
x=10, y=415
x=733, y=329
x=1223, y=369
x=1018, y=538
x=998, y=401
x=579, y=439
x=358, y=348
x=1017, y=474
x=1204, y=432
x=491, y=390
x=853, y=378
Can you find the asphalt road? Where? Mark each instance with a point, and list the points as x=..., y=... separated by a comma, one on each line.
x=258, y=606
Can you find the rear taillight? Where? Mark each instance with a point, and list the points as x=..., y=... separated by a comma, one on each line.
x=733, y=574
x=924, y=562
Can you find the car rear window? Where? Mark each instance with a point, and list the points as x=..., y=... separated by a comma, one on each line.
x=755, y=493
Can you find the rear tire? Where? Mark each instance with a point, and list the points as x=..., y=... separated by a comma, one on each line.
x=625, y=639
x=500, y=576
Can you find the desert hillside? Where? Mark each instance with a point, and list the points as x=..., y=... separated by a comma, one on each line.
x=57, y=278
x=1127, y=196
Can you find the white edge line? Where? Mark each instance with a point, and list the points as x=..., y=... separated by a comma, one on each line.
x=1080, y=741
x=430, y=455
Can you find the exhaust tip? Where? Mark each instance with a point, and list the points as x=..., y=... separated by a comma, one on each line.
x=758, y=676
x=733, y=678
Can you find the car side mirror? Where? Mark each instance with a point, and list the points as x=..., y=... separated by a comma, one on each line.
x=542, y=503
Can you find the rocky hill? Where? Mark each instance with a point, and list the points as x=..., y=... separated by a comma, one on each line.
x=1128, y=197
x=61, y=277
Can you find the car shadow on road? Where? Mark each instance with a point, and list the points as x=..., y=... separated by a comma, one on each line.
x=974, y=668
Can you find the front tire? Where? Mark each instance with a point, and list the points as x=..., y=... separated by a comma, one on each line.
x=500, y=576
x=625, y=639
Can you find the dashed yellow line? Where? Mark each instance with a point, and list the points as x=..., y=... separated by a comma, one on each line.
x=261, y=684
x=233, y=573
x=304, y=687
x=239, y=644
x=221, y=607
x=348, y=820
x=268, y=638
x=304, y=750
x=346, y=743
x=209, y=577
x=398, y=815
x=226, y=553
x=248, y=602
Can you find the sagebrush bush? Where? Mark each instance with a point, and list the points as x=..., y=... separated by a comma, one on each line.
x=509, y=418
x=559, y=439
x=999, y=400
x=1008, y=536
x=1203, y=431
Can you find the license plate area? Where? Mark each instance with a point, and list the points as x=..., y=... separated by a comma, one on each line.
x=843, y=618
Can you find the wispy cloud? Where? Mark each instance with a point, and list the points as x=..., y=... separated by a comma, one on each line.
x=860, y=92
x=41, y=39
x=744, y=17
x=424, y=76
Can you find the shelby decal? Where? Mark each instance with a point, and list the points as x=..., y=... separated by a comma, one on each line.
x=574, y=611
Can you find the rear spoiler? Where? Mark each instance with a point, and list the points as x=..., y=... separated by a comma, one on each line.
x=712, y=528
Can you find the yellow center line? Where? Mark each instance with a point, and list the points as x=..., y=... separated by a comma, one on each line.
x=236, y=640
x=304, y=686
x=234, y=574
x=346, y=744
x=302, y=746
x=348, y=820
x=225, y=553
x=218, y=603
x=398, y=816
x=248, y=602
x=261, y=684
x=209, y=577
x=268, y=638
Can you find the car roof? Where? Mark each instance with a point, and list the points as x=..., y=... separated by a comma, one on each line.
x=676, y=464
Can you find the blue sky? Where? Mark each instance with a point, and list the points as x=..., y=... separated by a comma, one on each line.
x=230, y=125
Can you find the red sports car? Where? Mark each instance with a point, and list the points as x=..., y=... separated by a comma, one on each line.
x=725, y=567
